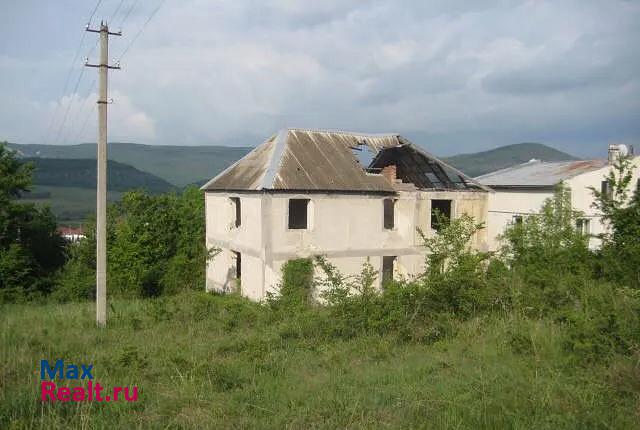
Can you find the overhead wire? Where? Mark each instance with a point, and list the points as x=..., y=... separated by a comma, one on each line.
x=135, y=38
x=72, y=67
x=82, y=108
x=128, y=13
x=66, y=114
x=115, y=12
x=84, y=124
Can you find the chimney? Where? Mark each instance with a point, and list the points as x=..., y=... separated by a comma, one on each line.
x=616, y=151
x=390, y=172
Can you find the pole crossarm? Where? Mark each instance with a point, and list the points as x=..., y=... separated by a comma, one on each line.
x=103, y=65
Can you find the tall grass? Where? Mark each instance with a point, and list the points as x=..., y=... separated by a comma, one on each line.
x=206, y=361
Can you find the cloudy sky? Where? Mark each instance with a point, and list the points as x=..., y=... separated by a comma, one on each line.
x=455, y=76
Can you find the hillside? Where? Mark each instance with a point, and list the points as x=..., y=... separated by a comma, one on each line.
x=479, y=163
x=179, y=165
x=65, y=176
x=183, y=165
x=71, y=205
x=68, y=185
x=81, y=173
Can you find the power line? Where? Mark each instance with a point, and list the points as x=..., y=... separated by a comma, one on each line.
x=66, y=114
x=69, y=73
x=113, y=15
x=93, y=13
x=126, y=16
x=67, y=80
x=80, y=110
x=84, y=124
x=141, y=30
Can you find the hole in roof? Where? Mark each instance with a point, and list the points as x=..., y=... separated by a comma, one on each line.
x=363, y=154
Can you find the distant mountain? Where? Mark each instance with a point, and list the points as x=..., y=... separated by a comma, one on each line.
x=184, y=165
x=81, y=173
x=479, y=163
x=179, y=165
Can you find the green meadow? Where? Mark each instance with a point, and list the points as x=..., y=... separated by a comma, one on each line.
x=208, y=361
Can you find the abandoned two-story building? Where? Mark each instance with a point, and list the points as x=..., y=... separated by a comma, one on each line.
x=308, y=192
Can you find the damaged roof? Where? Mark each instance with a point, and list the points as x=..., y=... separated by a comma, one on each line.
x=536, y=173
x=324, y=160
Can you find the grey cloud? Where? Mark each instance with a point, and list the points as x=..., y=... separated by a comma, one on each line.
x=454, y=73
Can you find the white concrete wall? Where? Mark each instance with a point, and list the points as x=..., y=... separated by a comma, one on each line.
x=247, y=239
x=345, y=228
x=582, y=197
x=504, y=204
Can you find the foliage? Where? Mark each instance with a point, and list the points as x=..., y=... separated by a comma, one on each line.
x=81, y=173
x=297, y=284
x=231, y=363
x=156, y=246
x=547, y=244
x=31, y=250
x=450, y=250
x=620, y=208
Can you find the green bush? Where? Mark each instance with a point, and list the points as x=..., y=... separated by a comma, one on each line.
x=296, y=288
x=156, y=247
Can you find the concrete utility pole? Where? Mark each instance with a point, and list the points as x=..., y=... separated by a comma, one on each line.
x=101, y=206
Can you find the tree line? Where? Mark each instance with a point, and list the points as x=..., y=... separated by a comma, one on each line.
x=156, y=244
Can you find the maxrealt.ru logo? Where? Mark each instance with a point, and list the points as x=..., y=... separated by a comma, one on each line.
x=92, y=392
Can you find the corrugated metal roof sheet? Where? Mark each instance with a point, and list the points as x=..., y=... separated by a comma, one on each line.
x=537, y=173
x=299, y=159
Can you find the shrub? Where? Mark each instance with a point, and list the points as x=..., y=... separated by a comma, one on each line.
x=296, y=288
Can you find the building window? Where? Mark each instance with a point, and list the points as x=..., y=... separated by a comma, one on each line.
x=238, y=260
x=388, y=263
x=440, y=213
x=389, y=213
x=235, y=201
x=517, y=219
x=583, y=226
x=298, y=213
x=605, y=188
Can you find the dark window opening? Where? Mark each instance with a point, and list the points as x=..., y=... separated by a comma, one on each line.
x=298, y=213
x=238, y=211
x=238, y=257
x=440, y=213
x=389, y=213
x=387, y=268
x=605, y=189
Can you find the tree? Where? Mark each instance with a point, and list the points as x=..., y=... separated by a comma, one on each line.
x=620, y=209
x=547, y=244
x=156, y=245
x=31, y=251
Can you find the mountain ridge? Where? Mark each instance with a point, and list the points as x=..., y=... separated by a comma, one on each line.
x=479, y=163
x=184, y=165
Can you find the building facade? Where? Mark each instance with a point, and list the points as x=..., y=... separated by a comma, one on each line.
x=304, y=193
x=520, y=191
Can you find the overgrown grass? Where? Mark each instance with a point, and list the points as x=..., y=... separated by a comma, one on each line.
x=206, y=361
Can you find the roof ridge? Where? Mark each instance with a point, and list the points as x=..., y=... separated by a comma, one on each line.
x=353, y=133
x=276, y=158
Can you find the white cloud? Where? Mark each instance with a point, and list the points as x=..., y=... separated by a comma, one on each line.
x=232, y=72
